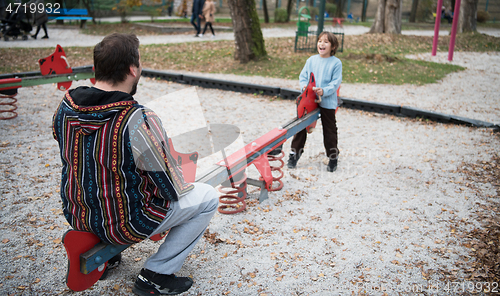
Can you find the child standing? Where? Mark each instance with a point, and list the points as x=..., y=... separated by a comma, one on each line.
x=327, y=71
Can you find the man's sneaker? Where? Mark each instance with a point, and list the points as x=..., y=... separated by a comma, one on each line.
x=112, y=264
x=332, y=165
x=292, y=160
x=152, y=283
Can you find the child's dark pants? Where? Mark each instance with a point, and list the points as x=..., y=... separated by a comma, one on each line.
x=330, y=139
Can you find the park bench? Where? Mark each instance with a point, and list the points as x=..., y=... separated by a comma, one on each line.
x=76, y=14
x=337, y=21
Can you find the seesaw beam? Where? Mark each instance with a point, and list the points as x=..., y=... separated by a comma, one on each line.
x=216, y=174
x=11, y=83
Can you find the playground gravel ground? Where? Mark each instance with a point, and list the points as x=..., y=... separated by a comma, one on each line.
x=391, y=220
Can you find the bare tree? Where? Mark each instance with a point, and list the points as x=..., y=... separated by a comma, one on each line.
x=88, y=6
x=467, y=22
x=249, y=42
x=363, y=10
x=124, y=7
x=388, y=17
x=340, y=8
x=413, y=13
x=60, y=2
x=289, y=8
x=266, y=13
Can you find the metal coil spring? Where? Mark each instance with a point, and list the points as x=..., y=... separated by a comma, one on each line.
x=231, y=201
x=10, y=101
x=276, y=168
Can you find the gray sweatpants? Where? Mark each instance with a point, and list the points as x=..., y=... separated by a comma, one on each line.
x=187, y=220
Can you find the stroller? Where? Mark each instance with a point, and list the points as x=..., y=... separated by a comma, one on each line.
x=14, y=25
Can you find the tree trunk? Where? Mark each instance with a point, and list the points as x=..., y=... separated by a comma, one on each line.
x=60, y=2
x=340, y=8
x=467, y=21
x=378, y=24
x=363, y=10
x=393, y=16
x=266, y=14
x=289, y=8
x=388, y=18
x=249, y=42
x=88, y=6
x=413, y=13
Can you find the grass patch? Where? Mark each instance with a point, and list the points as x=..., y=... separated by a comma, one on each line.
x=125, y=28
x=368, y=58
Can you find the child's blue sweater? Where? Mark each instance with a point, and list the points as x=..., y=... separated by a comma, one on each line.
x=328, y=75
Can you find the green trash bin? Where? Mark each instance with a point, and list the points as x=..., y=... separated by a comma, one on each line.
x=303, y=25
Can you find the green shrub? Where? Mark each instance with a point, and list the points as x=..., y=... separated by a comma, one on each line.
x=331, y=9
x=482, y=16
x=314, y=11
x=280, y=15
x=425, y=10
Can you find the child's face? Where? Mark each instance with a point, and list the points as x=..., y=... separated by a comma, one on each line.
x=324, y=47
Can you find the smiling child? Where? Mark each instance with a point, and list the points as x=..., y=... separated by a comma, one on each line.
x=327, y=71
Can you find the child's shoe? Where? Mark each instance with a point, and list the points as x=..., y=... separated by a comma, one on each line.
x=332, y=165
x=152, y=283
x=292, y=160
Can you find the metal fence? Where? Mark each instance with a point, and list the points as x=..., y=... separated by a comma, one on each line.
x=305, y=41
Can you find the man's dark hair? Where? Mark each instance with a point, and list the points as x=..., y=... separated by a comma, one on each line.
x=113, y=57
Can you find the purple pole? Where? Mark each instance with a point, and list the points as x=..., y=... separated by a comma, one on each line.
x=456, y=16
x=436, y=27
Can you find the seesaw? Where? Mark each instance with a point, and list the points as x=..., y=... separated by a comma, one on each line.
x=54, y=69
x=88, y=256
x=87, y=263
